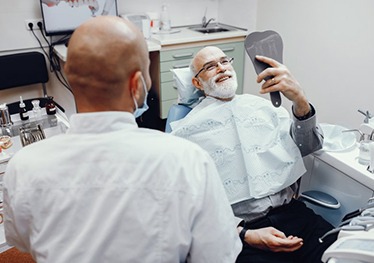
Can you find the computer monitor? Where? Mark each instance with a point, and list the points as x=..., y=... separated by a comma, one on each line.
x=62, y=17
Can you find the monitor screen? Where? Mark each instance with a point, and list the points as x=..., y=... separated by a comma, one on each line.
x=62, y=17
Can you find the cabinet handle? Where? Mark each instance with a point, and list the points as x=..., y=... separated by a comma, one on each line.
x=185, y=55
x=228, y=49
x=181, y=66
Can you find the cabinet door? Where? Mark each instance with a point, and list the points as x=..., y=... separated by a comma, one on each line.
x=325, y=178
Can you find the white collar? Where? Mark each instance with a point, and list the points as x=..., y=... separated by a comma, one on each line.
x=101, y=122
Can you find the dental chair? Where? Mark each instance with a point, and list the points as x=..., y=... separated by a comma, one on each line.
x=176, y=112
x=24, y=69
x=189, y=96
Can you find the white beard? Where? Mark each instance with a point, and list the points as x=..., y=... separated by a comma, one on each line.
x=220, y=90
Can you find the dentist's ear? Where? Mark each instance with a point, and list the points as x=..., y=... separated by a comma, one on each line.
x=196, y=82
x=136, y=85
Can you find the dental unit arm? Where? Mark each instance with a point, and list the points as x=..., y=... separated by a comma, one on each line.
x=355, y=242
x=353, y=249
x=360, y=220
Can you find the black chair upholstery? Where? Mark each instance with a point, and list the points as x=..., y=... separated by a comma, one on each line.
x=23, y=69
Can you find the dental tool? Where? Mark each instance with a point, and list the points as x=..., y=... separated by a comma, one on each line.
x=363, y=222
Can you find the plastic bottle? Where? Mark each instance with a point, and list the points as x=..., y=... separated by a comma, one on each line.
x=50, y=106
x=36, y=109
x=23, y=114
x=155, y=21
x=165, y=24
x=364, y=152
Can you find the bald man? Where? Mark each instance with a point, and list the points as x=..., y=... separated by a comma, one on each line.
x=109, y=191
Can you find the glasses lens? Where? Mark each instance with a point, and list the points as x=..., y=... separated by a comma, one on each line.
x=213, y=65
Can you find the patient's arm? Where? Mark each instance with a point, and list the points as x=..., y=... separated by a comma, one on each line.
x=307, y=134
x=271, y=239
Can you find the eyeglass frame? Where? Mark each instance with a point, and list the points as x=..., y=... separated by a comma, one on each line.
x=215, y=64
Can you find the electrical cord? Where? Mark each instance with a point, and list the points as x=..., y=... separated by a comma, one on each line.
x=54, y=61
x=40, y=25
x=31, y=26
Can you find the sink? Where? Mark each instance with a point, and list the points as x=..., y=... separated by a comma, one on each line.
x=211, y=30
x=214, y=28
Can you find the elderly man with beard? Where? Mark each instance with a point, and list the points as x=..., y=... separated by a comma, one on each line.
x=258, y=151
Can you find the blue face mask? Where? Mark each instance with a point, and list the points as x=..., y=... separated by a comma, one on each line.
x=139, y=111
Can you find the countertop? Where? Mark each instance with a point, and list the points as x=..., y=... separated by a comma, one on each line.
x=61, y=50
x=181, y=35
x=177, y=35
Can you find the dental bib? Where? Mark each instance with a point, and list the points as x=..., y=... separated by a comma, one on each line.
x=249, y=141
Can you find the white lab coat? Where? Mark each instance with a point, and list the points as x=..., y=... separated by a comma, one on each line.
x=110, y=192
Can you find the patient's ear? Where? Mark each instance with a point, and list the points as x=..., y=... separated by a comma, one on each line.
x=196, y=82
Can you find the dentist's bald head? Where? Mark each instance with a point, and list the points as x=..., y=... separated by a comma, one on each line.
x=106, y=58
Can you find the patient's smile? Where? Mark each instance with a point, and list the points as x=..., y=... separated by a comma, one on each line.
x=223, y=78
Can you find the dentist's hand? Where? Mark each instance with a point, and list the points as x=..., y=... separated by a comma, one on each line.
x=280, y=79
x=269, y=238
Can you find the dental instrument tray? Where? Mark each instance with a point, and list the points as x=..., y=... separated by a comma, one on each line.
x=30, y=135
x=357, y=248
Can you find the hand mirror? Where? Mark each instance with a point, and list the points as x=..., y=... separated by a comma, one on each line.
x=268, y=44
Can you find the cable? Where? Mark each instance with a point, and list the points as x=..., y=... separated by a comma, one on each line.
x=54, y=61
x=31, y=26
x=40, y=25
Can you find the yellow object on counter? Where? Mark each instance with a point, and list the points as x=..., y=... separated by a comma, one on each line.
x=5, y=142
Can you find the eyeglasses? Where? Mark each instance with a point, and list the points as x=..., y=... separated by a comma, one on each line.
x=212, y=65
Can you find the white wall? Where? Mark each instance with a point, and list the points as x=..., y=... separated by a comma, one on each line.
x=15, y=38
x=182, y=12
x=328, y=46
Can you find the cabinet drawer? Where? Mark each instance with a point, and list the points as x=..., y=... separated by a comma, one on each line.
x=178, y=54
x=166, y=76
x=166, y=66
x=169, y=90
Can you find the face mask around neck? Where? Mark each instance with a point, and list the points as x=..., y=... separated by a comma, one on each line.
x=139, y=111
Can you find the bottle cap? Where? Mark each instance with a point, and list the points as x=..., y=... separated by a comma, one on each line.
x=21, y=103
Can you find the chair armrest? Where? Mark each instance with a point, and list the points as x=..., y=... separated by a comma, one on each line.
x=176, y=112
x=321, y=199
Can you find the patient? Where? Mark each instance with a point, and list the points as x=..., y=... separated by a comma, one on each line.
x=108, y=191
x=258, y=151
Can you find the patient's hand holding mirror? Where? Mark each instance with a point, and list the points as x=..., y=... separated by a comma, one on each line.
x=268, y=44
